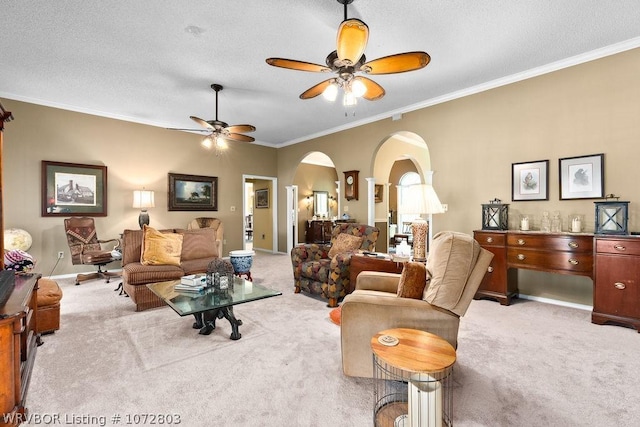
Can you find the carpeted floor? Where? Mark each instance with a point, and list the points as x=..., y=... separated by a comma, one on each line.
x=529, y=364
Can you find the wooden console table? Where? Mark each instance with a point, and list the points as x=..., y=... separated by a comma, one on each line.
x=612, y=262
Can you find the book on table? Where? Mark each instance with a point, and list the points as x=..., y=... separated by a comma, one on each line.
x=188, y=288
x=194, y=280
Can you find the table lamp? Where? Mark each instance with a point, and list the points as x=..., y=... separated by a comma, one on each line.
x=143, y=199
x=420, y=199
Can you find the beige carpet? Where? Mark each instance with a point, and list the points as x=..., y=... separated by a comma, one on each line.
x=529, y=364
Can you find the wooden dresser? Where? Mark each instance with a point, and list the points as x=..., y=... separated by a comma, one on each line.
x=616, y=294
x=18, y=343
x=612, y=262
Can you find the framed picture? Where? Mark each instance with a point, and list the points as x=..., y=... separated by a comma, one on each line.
x=193, y=192
x=582, y=177
x=377, y=196
x=72, y=189
x=262, y=198
x=529, y=181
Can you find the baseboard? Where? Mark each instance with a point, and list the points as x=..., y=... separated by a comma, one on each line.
x=556, y=302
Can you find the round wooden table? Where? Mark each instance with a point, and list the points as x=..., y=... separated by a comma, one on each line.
x=412, y=378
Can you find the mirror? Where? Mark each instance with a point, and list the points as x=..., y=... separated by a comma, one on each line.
x=321, y=204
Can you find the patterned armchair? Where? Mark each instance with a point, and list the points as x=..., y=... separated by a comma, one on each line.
x=316, y=273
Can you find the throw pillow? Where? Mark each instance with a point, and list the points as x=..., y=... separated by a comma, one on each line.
x=412, y=280
x=345, y=243
x=199, y=243
x=160, y=248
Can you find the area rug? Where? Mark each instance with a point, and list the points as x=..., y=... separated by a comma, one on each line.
x=335, y=315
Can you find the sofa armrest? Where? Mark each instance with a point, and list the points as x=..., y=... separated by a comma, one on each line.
x=309, y=251
x=364, y=313
x=378, y=281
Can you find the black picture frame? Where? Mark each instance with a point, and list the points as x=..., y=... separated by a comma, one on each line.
x=192, y=192
x=530, y=181
x=262, y=198
x=73, y=189
x=581, y=177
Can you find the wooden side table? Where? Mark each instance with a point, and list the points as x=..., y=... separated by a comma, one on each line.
x=412, y=378
x=360, y=263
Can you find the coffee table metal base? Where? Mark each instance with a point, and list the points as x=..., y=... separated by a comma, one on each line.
x=206, y=321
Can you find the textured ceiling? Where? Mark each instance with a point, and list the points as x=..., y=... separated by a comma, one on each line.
x=153, y=62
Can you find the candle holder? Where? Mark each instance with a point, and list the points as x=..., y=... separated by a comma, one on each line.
x=576, y=223
x=495, y=216
x=612, y=217
x=525, y=222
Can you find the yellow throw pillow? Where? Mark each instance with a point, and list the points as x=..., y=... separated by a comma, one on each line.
x=160, y=248
x=345, y=243
x=413, y=280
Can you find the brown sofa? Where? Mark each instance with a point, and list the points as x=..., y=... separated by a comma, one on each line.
x=199, y=248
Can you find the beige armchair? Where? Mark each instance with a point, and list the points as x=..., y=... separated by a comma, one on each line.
x=455, y=268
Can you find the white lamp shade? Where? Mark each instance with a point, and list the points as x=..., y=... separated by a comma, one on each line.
x=420, y=199
x=143, y=199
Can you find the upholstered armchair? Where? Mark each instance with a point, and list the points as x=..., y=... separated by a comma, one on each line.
x=323, y=270
x=432, y=302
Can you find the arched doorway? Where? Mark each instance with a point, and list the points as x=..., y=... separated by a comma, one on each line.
x=398, y=155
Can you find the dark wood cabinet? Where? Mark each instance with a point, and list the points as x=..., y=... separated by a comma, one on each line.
x=562, y=253
x=616, y=295
x=499, y=283
x=318, y=231
x=18, y=343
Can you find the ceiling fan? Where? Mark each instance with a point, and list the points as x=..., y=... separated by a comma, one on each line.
x=349, y=59
x=218, y=131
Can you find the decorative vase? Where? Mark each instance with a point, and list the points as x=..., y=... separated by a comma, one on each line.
x=242, y=261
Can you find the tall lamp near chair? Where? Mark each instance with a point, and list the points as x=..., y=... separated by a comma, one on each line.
x=420, y=199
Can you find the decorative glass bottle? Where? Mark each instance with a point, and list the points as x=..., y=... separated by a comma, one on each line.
x=556, y=223
x=545, y=224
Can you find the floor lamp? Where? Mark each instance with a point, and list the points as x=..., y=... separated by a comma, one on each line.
x=420, y=199
x=143, y=199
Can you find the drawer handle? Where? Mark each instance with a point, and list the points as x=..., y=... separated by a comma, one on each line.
x=490, y=269
x=573, y=261
x=619, y=285
x=573, y=245
x=489, y=239
x=521, y=257
x=521, y=242
x=619, y=248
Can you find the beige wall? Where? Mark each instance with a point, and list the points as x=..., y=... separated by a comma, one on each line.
x=472, y=143
x=135, y=155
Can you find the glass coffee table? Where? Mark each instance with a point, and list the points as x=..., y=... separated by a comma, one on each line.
x=209, y=304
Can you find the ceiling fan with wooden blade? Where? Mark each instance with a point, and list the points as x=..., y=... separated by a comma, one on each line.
x=218, y=130
x=349, y=59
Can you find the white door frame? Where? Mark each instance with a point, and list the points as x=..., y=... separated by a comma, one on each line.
x=292, y=217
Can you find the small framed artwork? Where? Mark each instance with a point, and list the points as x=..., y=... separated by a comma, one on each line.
x=72, y=189
x=193, y=192
x=378, y=193
x=529, y=181
x=582, y=177
x=262, y=198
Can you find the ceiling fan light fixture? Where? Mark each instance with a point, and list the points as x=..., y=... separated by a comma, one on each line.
x=358, y=88
x=331, y=92
x=207, y=142
x=349, y=99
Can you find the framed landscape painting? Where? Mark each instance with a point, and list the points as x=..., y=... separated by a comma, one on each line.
x=582, y=177
x=193, y=192
x=529, y=181
x=73, y=189
x=262, y=198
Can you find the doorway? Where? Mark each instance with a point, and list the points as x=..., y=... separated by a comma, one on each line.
x=260, y=213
